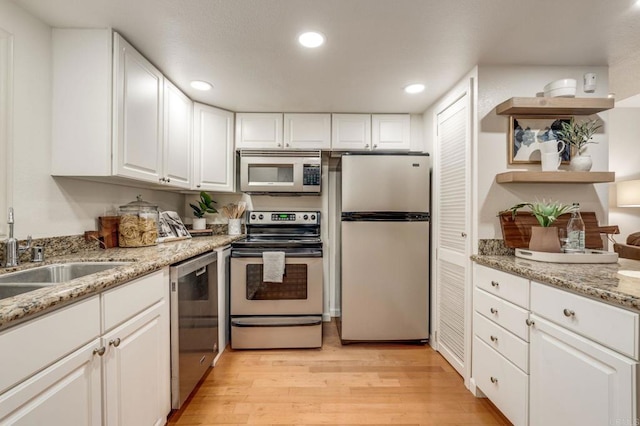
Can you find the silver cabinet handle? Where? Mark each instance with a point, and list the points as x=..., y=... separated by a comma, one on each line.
x=161, y=179
x=494, y=339
x=99, y=351
x=115, y=342
x=494, y=379
x=167, y=180
x=493, y=310
x=198, y=186
x=366, y=145
x=495, y=283
x=375, y=146
x=529, y=322
x=288, y=145
x=568, y=313
x=279, y=144
x=463, y=234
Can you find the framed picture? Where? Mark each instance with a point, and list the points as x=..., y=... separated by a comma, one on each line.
x=171, y=227
x=527, y=135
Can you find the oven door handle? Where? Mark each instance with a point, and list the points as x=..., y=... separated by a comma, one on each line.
x=257, y=253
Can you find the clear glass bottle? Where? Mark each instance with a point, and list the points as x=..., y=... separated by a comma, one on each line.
x=575, y=232
x=138, y=224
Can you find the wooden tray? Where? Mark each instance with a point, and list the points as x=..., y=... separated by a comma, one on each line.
x=516, y=232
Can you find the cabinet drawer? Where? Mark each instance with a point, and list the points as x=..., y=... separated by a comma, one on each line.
x=508, y=345
x=503, y=383
x=503, y=313
x=613, y=327
x=125, y=301
x=31, y=346
x=507, y=286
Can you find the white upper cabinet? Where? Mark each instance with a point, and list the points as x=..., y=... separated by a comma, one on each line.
x=111, y=111
x=371, y=132
x=390, y=132
x=177, y=149
x=307, y=131
x=214, y=155
x=259, y=131
x=138, y=130
x=351, y=132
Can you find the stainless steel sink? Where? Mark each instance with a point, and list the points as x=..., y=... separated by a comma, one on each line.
x=20, y=282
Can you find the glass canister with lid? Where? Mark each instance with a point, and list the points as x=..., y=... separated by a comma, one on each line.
x=138, y=225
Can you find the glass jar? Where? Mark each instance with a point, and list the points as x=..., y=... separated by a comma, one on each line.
x=138, y=225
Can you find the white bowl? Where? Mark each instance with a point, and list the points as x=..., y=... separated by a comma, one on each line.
x=565, y=87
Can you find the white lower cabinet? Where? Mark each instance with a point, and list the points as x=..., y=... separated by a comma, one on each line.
x=504, y=384
x=575, y=381
x=121, y=377
x=136, y=374
x=582, y=364
x=67, y=393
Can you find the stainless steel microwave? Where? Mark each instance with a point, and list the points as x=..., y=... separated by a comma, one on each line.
x=295, y=172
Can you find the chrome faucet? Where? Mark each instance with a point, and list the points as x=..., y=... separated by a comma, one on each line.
x=12, y=250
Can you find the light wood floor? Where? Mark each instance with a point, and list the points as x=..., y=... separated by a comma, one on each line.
x=336, y=385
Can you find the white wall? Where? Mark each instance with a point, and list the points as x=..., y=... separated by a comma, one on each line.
x=624, y=159
x=499, y=83
x=45, y=206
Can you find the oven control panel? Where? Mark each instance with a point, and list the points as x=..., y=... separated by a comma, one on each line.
x=283, y=218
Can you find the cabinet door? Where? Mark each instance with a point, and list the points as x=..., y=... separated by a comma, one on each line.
x=138, y=114
x=351, y=132
x=137, y=369
x=214, y=159
x=259, y=131
x=307, y=131
x=177, y=152
x=575, y=381
x=391, y=132
x=67, y=393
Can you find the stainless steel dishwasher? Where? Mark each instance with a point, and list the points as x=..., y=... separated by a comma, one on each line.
x=194, y=323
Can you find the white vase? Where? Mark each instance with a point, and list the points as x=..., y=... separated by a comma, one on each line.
x=199, y=223
x=235, y=227
x=580, y=163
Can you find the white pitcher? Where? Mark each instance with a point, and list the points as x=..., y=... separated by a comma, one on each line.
x=550, y=161
x=551, y=146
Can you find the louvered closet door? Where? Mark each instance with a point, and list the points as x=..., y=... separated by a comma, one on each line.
x=452, y=206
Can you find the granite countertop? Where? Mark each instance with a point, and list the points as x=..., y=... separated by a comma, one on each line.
x=602, y=281
x=144, y=260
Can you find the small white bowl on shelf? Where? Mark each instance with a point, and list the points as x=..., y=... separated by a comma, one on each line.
x=564, y=88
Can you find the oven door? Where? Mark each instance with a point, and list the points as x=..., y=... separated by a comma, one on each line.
x=300, y=292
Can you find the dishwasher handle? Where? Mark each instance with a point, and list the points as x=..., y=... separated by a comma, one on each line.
x=198, y=263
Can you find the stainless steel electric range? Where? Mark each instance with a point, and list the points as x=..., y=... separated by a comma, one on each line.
x=272, y=314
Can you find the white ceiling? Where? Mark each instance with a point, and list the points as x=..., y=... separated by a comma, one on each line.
x=247, y=48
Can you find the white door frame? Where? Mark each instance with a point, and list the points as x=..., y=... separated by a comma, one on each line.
x=6, y=127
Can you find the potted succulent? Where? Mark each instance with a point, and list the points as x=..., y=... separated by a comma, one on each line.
x=579, y=135
x=544, y=237
x=204, y=206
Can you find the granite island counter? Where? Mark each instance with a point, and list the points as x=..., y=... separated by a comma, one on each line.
x=604, y=282
x=143, y=260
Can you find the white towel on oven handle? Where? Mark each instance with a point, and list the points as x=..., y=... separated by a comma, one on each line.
x=272, y=266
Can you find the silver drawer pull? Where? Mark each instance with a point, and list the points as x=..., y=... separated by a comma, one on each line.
x=495, y=283
x=494, y=379
x=493, y=310
x=494, y=338
x=201, y=271
x=99, y=351
x=569, y=313
x=529, y=322
x=115, y=342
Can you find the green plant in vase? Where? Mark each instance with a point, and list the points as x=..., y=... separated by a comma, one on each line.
x=204, y=206
x=579, y=134
x=544, y=237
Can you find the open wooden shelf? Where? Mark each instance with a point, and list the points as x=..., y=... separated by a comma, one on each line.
x=554, y=106
x=555, y=177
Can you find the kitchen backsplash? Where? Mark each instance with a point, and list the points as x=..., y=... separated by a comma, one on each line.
x=494, y=247
x=69, y=244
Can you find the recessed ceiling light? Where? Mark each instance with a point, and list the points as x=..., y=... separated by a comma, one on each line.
x=414, y=88
x=201, y=85
x=311, y=39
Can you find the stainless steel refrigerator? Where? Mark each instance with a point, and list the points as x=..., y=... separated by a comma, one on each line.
x=384, y=247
